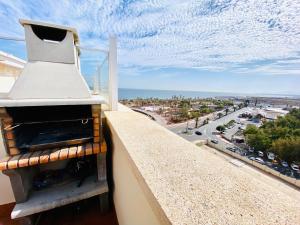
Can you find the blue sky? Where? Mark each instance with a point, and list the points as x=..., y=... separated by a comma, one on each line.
x=247, y=46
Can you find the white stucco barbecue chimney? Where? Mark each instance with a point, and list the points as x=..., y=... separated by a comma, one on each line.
x=52, y=70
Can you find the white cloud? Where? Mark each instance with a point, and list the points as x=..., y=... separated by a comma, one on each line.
x=209, y=35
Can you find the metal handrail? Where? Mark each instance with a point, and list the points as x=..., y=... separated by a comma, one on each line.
x=83, y=121
x=8, y=38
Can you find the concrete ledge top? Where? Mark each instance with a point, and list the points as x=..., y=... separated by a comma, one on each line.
x=95, y=99
x=192, y=185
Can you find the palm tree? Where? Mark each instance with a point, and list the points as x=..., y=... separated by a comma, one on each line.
x=220, y=115
x=226, y=111
x=196, y=115
x=184, y=110
x=247, y=102
x=205, y=121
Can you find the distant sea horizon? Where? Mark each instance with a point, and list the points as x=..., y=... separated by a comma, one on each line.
x=130, y=93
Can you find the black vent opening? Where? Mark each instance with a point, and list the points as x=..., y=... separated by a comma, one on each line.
x=49, y=33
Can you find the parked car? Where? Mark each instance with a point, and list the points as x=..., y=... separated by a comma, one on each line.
x=239, y=140
x=259, y=160
x=260, y=153
x=289, y=173
x=295, y=167
x=271, y=155
x=214, y=141
x=230, y=149
x=284, y=164
x=250, y=150
x=236, y=148
x=198, y=132
x=243, y=153
x=252, y=158
x=270, y=164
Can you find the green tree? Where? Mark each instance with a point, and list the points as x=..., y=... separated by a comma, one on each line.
x=227, y=102
x=184, y=110
x=205, y=110
x=226, y=111
x=247, y=102
x=259, y=141
x=281, y=136
x=250, y=129
x=241, y=105
x=220, y=128
x=196, y=115
x=287, y=149
x=205, y=121
x=230, y=123
x=220, y=115
x=220, y=106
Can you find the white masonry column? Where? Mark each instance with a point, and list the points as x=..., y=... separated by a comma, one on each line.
x=113, y=74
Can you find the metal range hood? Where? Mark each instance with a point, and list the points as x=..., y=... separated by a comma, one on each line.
x=53, y=68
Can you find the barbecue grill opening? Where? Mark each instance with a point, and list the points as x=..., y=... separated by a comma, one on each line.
x=49, y=33
x=41, y=127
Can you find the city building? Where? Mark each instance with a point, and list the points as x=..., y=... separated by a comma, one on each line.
x=10, y=68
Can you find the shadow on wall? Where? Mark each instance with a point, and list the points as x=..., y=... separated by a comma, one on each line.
x=6, y=193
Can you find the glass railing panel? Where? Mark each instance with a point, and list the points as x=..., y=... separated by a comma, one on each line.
x=94, y=68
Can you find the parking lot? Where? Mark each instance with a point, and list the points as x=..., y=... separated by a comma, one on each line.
x=209, y=132
x=281, y=167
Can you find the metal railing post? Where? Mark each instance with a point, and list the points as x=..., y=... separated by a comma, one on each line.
x=113, y=74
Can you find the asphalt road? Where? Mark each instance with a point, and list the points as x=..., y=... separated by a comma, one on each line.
x=208, y=129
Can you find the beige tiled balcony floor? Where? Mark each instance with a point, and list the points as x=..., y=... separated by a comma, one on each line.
x=83, y=213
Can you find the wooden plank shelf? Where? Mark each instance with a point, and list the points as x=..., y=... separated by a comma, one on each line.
x=50, y=198
x=51, y=155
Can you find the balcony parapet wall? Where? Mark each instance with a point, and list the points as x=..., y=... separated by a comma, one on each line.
x=160, y=178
